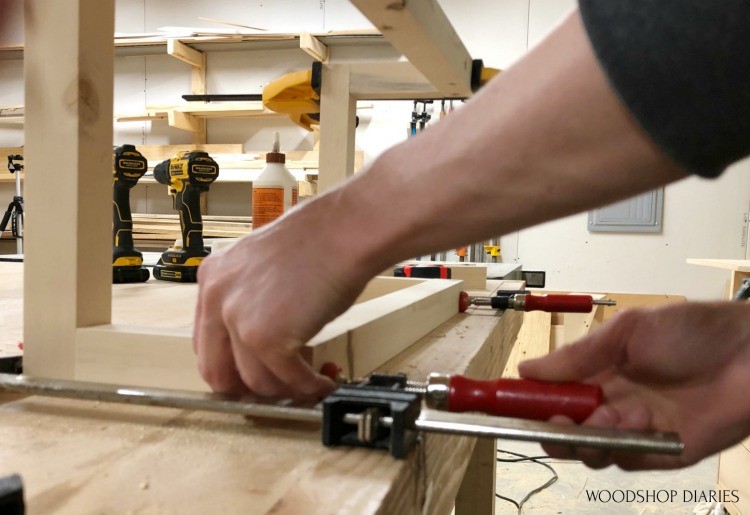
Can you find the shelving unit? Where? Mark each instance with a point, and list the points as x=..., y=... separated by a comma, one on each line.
x=360, y=44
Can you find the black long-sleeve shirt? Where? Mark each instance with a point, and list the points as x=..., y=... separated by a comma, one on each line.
x=682, y=67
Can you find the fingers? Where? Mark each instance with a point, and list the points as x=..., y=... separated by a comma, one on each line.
x=628, y=415
x=211, y=343
x=275, y=374
x=298, y=375
x=256, y=376
x=603, y=349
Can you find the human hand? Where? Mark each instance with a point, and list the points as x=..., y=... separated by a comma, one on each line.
x=260, y=300
x=681, y=367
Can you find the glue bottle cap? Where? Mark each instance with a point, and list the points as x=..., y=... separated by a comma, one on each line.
x=275, y=156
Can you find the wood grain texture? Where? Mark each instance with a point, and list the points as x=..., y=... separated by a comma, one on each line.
x=11, y=308
x=313, y=47
x=337, y=118
x=158, y=153
x=69, y=69
x=476, y=495
x=361, y=339
x=384, y=325
x=533, y=341
x=152, y=349
x=78, y=457
x=631, y=300
x=398, y=80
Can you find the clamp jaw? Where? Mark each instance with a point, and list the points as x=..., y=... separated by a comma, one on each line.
x=378, y=413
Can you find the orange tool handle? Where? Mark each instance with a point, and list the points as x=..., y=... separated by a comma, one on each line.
x=560, y=303
x=523, y=398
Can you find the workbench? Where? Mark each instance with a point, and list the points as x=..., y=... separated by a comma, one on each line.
x=85, y=457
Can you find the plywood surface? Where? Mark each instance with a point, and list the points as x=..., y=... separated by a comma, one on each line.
x=79, y=457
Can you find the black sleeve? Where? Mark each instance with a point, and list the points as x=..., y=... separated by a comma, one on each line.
x=682, y=67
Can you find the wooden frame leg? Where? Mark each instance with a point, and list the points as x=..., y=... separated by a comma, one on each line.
x=337, y=117
x=69, y=70
x=477, y=493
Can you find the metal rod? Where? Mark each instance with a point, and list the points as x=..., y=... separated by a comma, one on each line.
x=546, y=432
x=241, y=405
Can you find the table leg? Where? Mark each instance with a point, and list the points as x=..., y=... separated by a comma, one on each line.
x=476, y=496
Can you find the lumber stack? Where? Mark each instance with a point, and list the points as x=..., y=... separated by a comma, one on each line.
x=166, y=228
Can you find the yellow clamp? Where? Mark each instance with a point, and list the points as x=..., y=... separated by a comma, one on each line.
x=294, y=95
x=492, y=250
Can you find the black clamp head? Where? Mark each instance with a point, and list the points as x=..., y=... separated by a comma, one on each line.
x=378, y=413
x=13, y=166
x=11, y=495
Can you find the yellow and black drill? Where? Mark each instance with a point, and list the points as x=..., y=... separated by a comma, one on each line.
x=187, y=174
x=128, y=166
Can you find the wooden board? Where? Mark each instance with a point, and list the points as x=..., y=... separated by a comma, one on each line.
x=159, y=153
x=631, y=300
x=68, y=77
x=337, y=124
x=11, y=308
x=740, y=265
x=166, y=358
x=533, y=341
x=421, y=32
x=85, y=457
x=159, y=353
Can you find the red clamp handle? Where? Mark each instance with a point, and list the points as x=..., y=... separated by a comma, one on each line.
x=524, y=398
x=560, y=303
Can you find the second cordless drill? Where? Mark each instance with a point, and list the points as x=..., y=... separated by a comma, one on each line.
x=128, y=166
x=187, y=174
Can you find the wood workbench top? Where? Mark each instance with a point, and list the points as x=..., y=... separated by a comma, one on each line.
x=87, y=457
x=127, y=305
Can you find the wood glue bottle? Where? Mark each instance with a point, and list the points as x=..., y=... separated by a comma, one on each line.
x=275, y=191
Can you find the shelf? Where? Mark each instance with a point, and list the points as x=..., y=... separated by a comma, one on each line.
x=366, y=41
x=736, y=265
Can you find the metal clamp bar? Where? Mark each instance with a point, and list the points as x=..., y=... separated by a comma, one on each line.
x=546, y=432
x=222, y=403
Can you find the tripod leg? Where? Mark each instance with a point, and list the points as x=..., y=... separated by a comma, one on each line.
x=6, y=217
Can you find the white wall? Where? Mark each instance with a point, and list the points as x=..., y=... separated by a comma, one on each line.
x=701, y=219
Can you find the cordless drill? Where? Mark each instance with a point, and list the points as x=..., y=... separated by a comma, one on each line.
x=128, y=166
x=187, y=174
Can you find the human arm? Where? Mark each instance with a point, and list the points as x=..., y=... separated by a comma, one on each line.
x=682, y=367
x=546, y=139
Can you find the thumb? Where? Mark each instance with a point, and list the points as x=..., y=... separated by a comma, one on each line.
x=576, y=362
